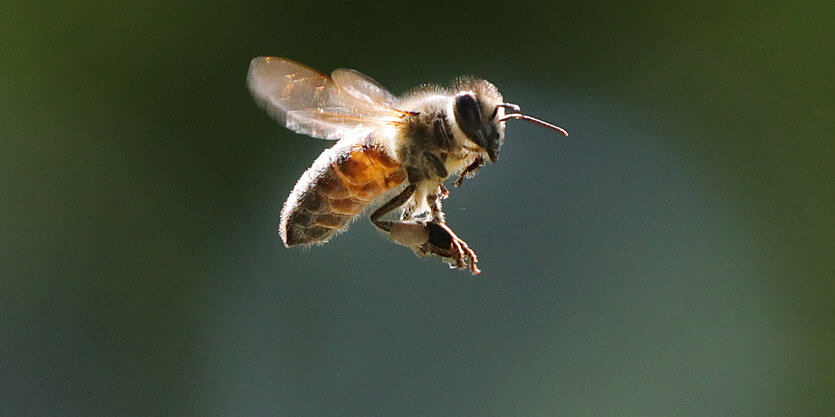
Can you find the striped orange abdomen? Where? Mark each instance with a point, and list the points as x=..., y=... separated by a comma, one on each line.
x=339, y=184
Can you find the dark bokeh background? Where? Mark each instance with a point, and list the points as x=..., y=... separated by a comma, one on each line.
x=673, y=256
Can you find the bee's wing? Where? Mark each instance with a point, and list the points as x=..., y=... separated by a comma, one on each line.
x=364, y=87
x=309, y=102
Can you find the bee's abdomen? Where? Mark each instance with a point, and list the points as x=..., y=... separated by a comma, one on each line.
x=341, y=182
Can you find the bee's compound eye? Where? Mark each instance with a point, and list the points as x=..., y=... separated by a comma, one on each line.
x=467, y=110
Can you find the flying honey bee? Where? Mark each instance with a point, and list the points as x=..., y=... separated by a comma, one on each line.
x=403, y=148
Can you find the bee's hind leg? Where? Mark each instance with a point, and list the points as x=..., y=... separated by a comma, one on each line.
x=425, y=237
x=392, y=204
x=443, y=242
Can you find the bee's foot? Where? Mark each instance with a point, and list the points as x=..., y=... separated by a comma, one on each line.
x=444, y=243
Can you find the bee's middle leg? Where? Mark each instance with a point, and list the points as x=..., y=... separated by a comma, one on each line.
x=434, y=202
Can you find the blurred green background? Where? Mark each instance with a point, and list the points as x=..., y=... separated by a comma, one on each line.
x=672, y=257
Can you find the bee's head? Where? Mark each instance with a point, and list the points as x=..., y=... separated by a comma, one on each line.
x=480, y=114
x=477, y=115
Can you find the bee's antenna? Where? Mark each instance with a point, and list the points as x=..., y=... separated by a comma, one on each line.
x=513, y=108
x=534, y=120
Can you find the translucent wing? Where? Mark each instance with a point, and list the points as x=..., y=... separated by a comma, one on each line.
x=309, y=102
x=363, y=87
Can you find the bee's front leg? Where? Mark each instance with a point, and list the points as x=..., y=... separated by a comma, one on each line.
x=469, y=171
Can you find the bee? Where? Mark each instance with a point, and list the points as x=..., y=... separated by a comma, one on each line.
x=393, y=150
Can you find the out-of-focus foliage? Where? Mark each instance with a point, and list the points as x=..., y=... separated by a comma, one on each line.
x=673, y=256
